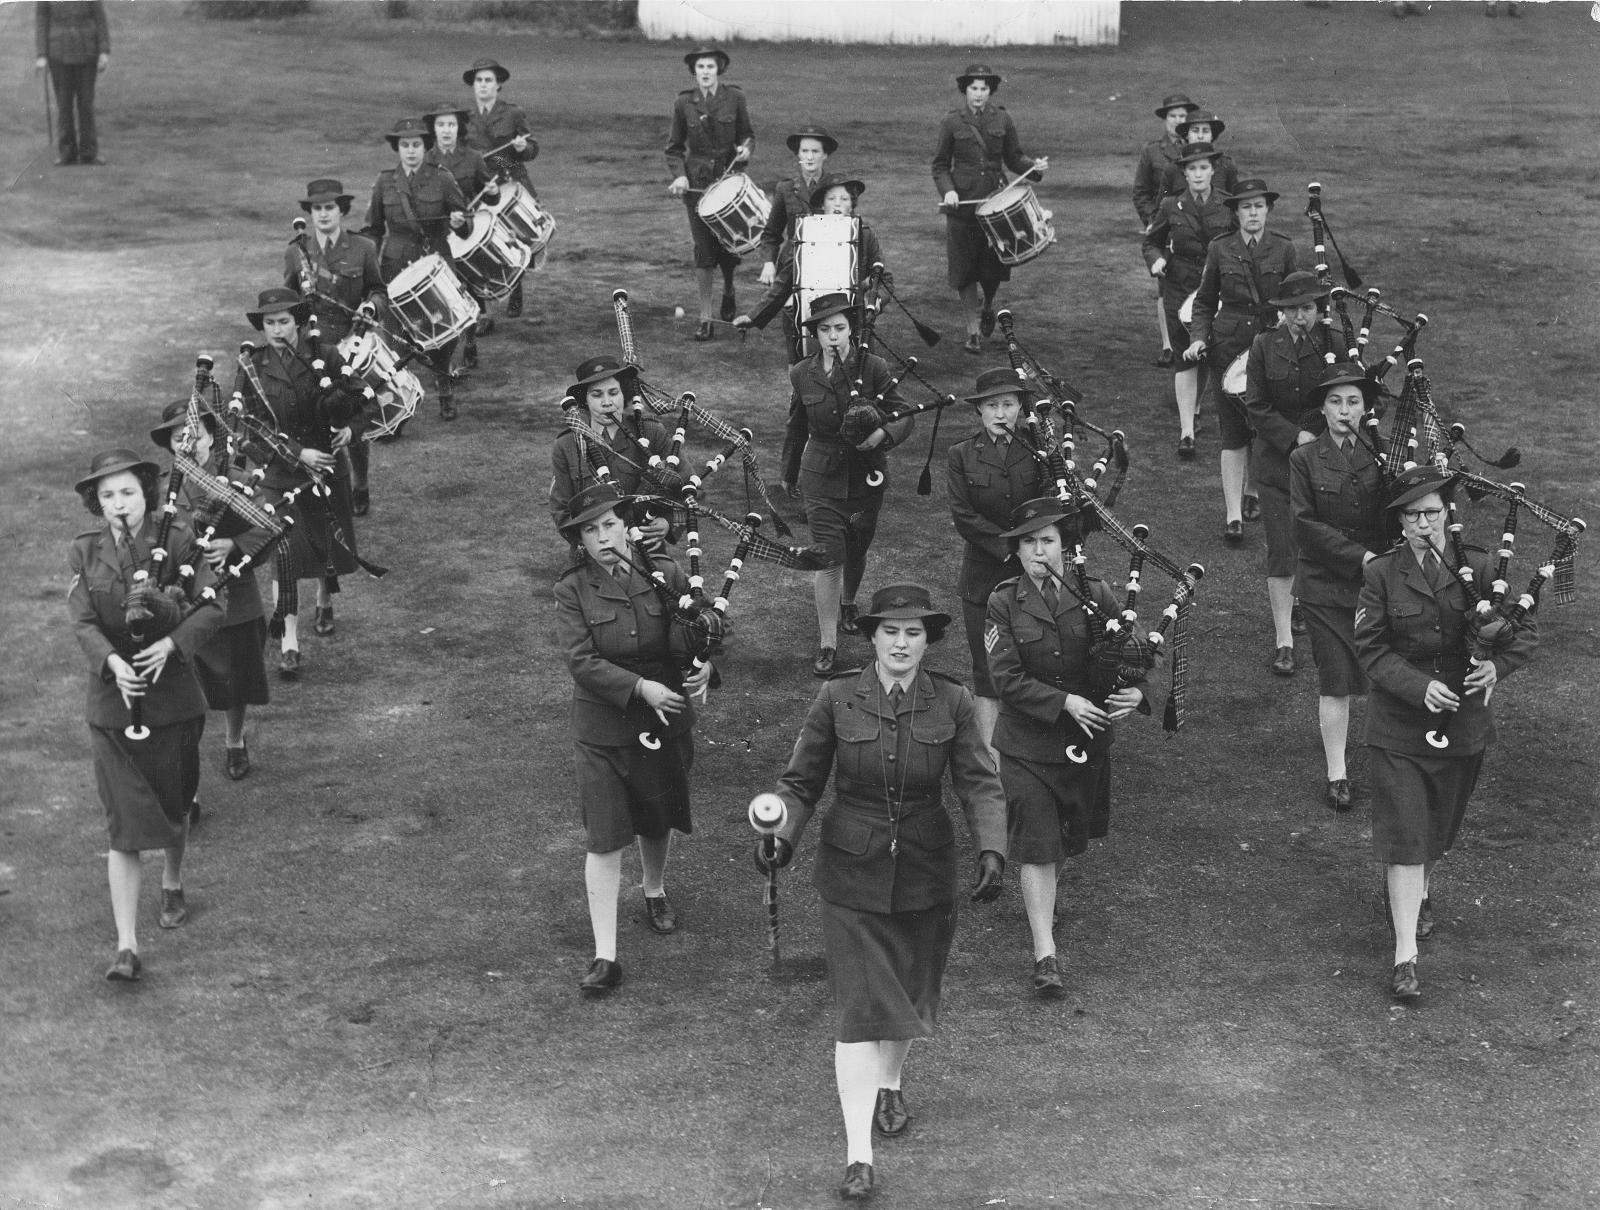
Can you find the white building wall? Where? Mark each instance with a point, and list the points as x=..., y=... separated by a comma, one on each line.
x=919, y=22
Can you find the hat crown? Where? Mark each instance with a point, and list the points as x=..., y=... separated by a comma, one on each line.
x=990, y=380
x=1252, y=184
x=174, y=409
x=598, y=365
x=274, y=295
x=407, y=126
x=1195, y=150
x=1416, y=482
x=825, y=305
x=979, y=69
x=324, y=185
x=119, y=458
x=901, y=596
x=1174, y=100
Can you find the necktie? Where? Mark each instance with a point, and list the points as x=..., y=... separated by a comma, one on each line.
x=1432, y=570
x=1347, y=446
x=1052, y=599
x=1250, y=243
x=611, y=433
x=896, y=696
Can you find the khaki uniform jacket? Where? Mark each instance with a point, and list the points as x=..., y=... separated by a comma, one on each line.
x=409, y=216
x=791, y=201
x=1279, y=381
x=1148, y=187
x=1036, y=660
x=706, y=131
x=346, y=272
x=1183, y=229
x=1407, y=636
x=71, y=31
x=973, y=149
x=571, y=472
x=501, y=124
x=1231, y=306
x=615, y=635
x=296, y=407
x=1337, y=503
x=985, y=481
x=815, y=455
x=468, y=168
x=887, y=843
x=95, y=601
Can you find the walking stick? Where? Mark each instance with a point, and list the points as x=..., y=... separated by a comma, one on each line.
x=49, y=114
x=767, y=815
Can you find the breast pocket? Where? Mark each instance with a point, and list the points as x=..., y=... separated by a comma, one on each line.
x=605, y=628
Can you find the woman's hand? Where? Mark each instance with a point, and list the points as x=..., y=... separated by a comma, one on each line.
x=1124, y=701
x=696, y=682
x=874, y=439
x=951, y=199
x=1195, y=351
x=519, y=144
x=458, y=218
x=341, y=438
x=653, y=533
x=1304, y=438
x=1086, y=714
x=153, y=659
x=1482, y=679
x=791, y=490
x=1159, y=268
x=492, y=189
x=1039, y=166
x=1439, y=698
x=217, y=552
x=769, y=274
x=129, y=683
x=782, y=853
x=316, y=460
x=659, y=698
x=991, y=867
x=679, y=186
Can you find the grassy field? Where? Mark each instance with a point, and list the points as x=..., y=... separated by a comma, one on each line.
x=375, y=1005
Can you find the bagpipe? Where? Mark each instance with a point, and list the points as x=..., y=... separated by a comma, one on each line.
x=688, y=410
x=185, y=441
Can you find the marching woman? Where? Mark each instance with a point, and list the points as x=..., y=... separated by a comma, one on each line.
x=1281, y=398
x=1413, y=640
x=1201, y=127
x=977, y=143
x=312, y=429
x=1175, y=249
x=1336, y=494
x=1149, y=187
x=834, y=194
x=230, y=666
x=989, y=475
x=140, y=642
x=1243, y=271
x=791, y=201
x=412, y=205
x=886, y=865
x=499, y=131
x=1054, y=740
x=627, y=659
x=840, y=469
x=711, y=133
x=472, y=176
x=603, y=390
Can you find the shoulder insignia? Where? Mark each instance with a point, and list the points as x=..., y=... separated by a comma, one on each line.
x=1011, y=583
x=947, y=678
x=687, y=92
x=90, y=533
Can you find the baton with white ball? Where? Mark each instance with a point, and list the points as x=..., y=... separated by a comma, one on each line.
x=768, y=815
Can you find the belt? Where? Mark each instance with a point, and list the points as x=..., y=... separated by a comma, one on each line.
x=1439, y=663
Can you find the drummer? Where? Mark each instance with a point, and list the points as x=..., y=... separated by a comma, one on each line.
x=834, y=194
x=472, y=178
x=711, y=133
x=602, y=393
x=1243, y=270
x=976, y=141
x=990, y=475
x=411, y=206
x=499, y=131
x=343, y=269
x=791, y=202
x=1175, y=249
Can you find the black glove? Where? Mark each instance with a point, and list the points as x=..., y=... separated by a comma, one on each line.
x=990, y=868
x=783, y=851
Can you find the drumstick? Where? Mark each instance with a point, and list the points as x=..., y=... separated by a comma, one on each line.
x=978, y=201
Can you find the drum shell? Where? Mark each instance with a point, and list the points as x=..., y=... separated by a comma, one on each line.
x=827, y=252
x=490, y=260
x=520, y=213
x=430, y=302
x=737, y=212
x=398, y=390
x=1017, y=227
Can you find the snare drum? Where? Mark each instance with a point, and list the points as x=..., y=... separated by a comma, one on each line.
x=398, y=390
x=1016, y=226
x=517, y=210
x=430, y=302
x=490, y=260
x=736, y=211
x=826, y=251
x=1235, y=377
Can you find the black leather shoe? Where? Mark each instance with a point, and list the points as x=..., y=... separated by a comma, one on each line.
x=1166, y=359
x=1425, y=921
x=823, y=664
x=974, y=345
x=703, y=331
x=289, y=665
x=729, y=308
x=602, y=976
x=360, y=501
x=1297, y=620
x=889, y=1117
x=1047, y=976
x=857, y=1185
x=1283, y=662
x=1406, y=986
x=986, y=322
x=174, y=911
x=659, y=914
x=848, y=612
x=194, y=814
x=1186, y=448
x=323, y=624
x=514, y=303
x=238, y=765
x=126, y=970
x=469, y=355
x=1250, y=508
x=1233, y=533
x=1339, y=794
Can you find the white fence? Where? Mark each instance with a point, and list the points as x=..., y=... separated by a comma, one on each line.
x=903, y=22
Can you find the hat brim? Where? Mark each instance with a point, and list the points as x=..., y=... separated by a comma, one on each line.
x=136, y=464
x=300, y=310
x=829, y=143
x=906, y=614
x=694, y=56
x=847, y=308
x=343, y=200
x=853, y=187
x=1163, y=110
x=162, y=434
x=618, y=506
x=1065, y=513
x=1184, y=161
x=1445, y=488
x=1002, y=388
x=993, y=82
x=501, y=74
x=626, y=375
x=425, y=135
x=1233, y=199
x=1297, y=300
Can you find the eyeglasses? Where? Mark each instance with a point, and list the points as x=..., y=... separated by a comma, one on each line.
x=1421, y=514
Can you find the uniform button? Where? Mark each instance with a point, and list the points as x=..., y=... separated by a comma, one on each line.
x=633, y=634
x=892, y=726
x=891, y=758
x=1055, y=653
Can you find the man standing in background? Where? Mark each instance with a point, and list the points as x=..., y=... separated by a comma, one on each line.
x=72, y=39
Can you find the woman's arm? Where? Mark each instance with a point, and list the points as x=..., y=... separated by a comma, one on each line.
x=810, y=766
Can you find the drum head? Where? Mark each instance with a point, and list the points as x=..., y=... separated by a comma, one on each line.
x=476, y=237
x=416, y=275
x=1008, y=197
x=722, y=194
